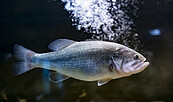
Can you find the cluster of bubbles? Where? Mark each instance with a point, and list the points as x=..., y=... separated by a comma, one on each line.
x=111, y=20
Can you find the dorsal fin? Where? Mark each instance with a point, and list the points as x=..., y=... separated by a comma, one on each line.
x=60, y=44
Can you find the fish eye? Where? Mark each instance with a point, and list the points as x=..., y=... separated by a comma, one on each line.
x=136, y=57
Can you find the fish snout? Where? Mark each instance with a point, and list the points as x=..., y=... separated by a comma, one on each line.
x=142, y=65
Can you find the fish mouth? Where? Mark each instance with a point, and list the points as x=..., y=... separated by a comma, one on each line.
x=142, y=66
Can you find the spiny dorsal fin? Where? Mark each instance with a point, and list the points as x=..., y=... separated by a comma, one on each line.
x=60, y=44
x=56, y=77
x=103, y=81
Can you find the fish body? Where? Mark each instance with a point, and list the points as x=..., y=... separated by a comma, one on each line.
x=98, y=61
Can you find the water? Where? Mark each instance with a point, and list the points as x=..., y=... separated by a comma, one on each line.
x=35, y=23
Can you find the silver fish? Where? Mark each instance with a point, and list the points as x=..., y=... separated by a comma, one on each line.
x=98, y=61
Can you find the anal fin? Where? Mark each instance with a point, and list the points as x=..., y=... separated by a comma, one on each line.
x=55, y=77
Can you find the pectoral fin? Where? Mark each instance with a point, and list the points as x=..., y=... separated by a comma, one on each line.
x=60, y=44
x=103, y=81
x=56, y=77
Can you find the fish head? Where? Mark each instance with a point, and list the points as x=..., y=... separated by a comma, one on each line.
x=128, y=61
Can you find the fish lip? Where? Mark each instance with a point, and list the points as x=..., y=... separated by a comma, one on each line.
x=142, y=66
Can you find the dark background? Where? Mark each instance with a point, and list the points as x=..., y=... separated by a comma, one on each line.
x=35, y=23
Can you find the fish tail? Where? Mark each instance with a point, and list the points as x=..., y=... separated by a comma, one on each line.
x=22, y=60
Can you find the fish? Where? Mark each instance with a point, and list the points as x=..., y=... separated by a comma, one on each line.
x=99, y=61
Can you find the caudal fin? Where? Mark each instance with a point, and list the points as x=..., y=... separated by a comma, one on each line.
x=22, y=60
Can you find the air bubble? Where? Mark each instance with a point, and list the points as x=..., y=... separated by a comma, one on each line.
x=91, y=15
